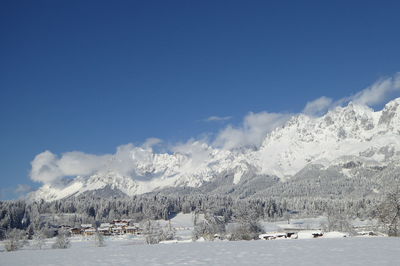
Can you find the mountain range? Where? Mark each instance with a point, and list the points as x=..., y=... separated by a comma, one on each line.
x=351, y=150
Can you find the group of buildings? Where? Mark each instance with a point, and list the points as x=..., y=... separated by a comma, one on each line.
x=116, y=227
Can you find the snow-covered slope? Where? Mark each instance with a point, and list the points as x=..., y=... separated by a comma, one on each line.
x=351, y=130
x=344, y=135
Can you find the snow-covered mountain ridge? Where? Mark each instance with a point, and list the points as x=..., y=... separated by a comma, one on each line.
x=350, y=134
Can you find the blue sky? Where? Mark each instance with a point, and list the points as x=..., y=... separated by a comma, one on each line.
x=92, y=75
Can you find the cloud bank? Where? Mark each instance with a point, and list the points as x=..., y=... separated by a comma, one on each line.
x=48, y=168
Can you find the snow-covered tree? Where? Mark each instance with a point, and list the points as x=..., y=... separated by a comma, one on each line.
x=152, y=232
x=39, y=239
x=168, y=232
x=62, y=240
x=388, y=213
x=16, y=239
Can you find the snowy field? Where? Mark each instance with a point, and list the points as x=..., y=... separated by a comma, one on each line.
x=345, y=251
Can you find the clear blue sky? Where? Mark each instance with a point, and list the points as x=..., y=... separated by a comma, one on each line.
x=92, y=75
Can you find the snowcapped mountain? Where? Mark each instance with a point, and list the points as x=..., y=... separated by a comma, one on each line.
x=348, y=135
x=353, y=130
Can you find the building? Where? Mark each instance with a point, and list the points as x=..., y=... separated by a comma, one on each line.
x=75, y=231
x=132, y=229
x=89, y=231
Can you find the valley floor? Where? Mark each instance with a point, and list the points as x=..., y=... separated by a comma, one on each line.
x=342, y=251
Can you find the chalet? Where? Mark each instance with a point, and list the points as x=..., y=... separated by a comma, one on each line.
x=118, y=230
x=105, y=225
x=120, y=223
x=85, y=226
x=75, y=231
x=89, y=231
x=105, y=229
x=132, y=230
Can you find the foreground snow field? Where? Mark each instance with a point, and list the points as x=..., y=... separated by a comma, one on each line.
x=348, y=251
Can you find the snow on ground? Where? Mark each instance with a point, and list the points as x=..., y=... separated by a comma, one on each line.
x=339, y=251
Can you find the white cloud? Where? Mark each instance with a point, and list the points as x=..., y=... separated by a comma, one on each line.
x=218, y=118
x=47, y=168
x=79, y=163
x=252, y=132
x=44, y=168
x=197, y=151
x=22, y=189
x=378, y=92
x=318, y=106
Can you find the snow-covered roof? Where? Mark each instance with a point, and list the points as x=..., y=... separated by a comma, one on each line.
x=120, y=224
x=105, y=225
x=86, y=225
x=131, y=227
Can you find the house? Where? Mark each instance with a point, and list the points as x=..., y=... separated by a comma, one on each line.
x=89, y=231
x=105, y=225
x=75, y=231
x=132, y=230
x=84, y=226
x=119, y=230
x=105, y=229
x=120, y=223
